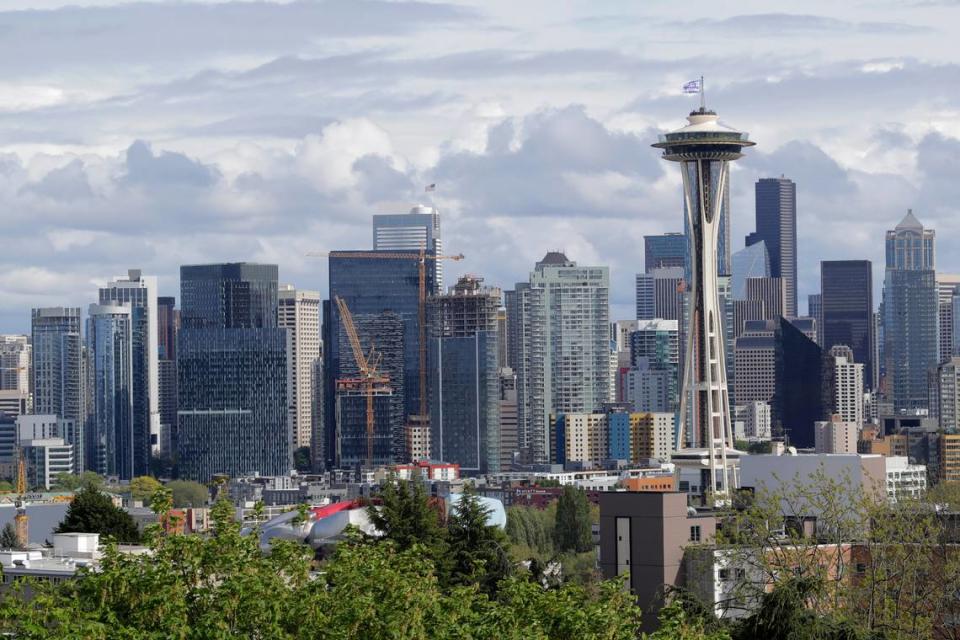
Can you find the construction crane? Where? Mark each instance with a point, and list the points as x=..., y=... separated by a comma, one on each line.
x=21, y=520
x=368, y=365
x=421, y=257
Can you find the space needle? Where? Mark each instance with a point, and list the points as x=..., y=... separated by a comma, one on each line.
x=704, y=148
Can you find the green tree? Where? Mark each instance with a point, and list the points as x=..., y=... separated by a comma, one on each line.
x=301, y=460
x=143, y=487
x=69, y=482
x=8, y=537
x=572, y=531
x=221, y=586
x=477, y=550
x=93, y=512
x=6, y=485
x=406, y=517
x=187, y=493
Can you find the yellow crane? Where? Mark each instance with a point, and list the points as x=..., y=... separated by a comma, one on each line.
x=21, y=520
x=370, y=379
x=421, y=257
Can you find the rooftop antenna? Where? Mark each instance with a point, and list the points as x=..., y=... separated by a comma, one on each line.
x=703, y=100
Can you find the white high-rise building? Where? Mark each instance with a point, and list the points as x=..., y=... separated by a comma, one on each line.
x=419, y=229
x=299, y=313
x=564, y=347
x=140, y=293
x=14, y=363
x=847, y=385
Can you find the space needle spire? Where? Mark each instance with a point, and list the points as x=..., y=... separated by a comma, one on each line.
x=704, y=148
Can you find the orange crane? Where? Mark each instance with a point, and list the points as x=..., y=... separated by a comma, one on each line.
x=371, y=380
x=21, y=519
x=421, y=257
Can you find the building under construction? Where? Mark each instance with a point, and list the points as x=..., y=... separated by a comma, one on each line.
x=464, y=376
x=383, y=332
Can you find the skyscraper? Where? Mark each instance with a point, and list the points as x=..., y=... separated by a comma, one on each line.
x=232, y=373
x=139, y=292
x=464, y=377
x=563, y=361
x=168, y=325
x=114, y=446
x=57, y=367
x=843, y=385
x=704, y=148
x=776, y=224
x=750, y=262
x=666, y=250
x=382, y=294
x=654, y=379
x=15, y=363
x=771, y=293
x=948, y=295
x=846, y=299
x=660, y=293
x=911, y=314
x=299, y=314
x=815, y=311
x=419, y=229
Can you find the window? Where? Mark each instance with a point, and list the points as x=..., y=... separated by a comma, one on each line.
x=724, y=574
x=695, y=533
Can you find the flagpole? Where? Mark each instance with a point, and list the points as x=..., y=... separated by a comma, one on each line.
x=703, y=102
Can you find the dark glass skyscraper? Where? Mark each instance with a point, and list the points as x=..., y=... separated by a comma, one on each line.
x=798, y=396
x=372, y=288
x=776, y=211
x=667, y=250
x=168, y=325
x=232, y=373
x=846, y=306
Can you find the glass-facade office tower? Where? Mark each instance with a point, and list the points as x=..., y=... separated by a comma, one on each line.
x=419, y=229
x=383, y=297
x=464, y=377
x=846, y=309
x=139, y=292
x=704, y=148
x=653, y=382
x=168, y=325
x=776, y=211
x=666, y=250
x=232, y=374
x=299, y=314
x=911, y=315
x=563, y=361
x=57, y=366
x=113, y=441
x=750, y=262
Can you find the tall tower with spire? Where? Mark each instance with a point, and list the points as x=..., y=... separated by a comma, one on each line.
x=704, y=148
x=910, y=315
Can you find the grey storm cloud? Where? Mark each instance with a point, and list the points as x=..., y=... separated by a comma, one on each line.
x=165, y=169
x=66, y=183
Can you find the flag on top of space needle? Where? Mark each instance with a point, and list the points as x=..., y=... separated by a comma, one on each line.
x=693, y=86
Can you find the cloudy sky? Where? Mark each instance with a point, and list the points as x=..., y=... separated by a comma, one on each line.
x=152, y=135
